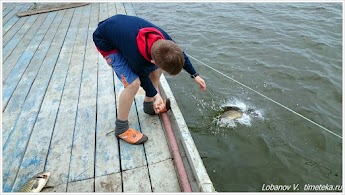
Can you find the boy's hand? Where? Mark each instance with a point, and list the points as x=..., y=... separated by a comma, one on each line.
x=158, y=103
x=201, y=83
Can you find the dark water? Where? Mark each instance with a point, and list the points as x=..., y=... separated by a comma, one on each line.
x=290, y=52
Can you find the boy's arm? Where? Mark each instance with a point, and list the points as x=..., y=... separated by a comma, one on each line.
x=188, y=65
x=151, y=91
x=146, y=84
x=190, y=69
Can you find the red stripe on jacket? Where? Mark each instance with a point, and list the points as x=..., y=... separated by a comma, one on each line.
x=107, y=53
x=145, y=39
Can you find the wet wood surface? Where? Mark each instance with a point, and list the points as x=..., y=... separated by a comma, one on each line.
x=59, y=102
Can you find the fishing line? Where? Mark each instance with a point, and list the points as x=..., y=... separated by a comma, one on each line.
x=327, y=130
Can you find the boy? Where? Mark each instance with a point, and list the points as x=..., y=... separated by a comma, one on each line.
x=138, y=51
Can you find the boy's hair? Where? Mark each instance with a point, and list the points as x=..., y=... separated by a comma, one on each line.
x=168, y=56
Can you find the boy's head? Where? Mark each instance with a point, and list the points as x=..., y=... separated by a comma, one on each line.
x=167, y=56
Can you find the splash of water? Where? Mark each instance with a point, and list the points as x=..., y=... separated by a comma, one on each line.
x=250, y=113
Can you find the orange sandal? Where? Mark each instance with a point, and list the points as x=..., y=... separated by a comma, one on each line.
x=132, y=136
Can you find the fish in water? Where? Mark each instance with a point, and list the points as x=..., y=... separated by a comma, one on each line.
x=232, y=112
x=36, y=183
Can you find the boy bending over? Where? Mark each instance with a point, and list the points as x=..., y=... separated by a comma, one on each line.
x=138, y=51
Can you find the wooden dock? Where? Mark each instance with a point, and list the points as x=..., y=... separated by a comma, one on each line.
x=59, y=102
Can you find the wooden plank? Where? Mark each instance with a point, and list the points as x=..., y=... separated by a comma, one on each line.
x=9, y=47
x=61, y=143
x=130, y=9
x=107, y=153
x=11, y=14
x=136, y=180
x=6, y=27
x=111, y=9
x=120, y=8
x=17, y=86
x=51, y=9
x=6, y=10
x=109, y=183
x=156, y=147
x=14, y=148
x=58, y=188
x=132, y=156
x=82, y=158
x=103, y=12
x=166, y=182
x=94, y=19
x=20, y=58
x=15, y=55
x=81, y=186
x=38, y=146
x=15, y=28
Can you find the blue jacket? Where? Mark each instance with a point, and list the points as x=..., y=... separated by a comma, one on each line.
x=119, y=34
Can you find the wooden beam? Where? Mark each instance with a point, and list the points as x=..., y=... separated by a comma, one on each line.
x=51, y=9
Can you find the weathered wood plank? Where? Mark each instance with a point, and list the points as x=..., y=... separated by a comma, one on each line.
x=60, y=148
x=94, y=19
x=136, y=180
x=107, y=152
x=111, y=9
x=129, y=9
x=156, y=148
x=81, y=186
x=9, y=47
x=38, y=146
x=58, y=188
x=51, y=9
x=166, y=182
x=18, y=86
x=132, y=156
x=82, y=158
x=6, y=10
x=16, y=73
x=32, y=37
x=120, y=8
x=15, y=28
x=14, y=148
x=109, y=183
x=12, y=13
x=6, y=27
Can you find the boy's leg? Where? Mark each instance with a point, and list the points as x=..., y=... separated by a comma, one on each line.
x=126, y=99
x=131, y=84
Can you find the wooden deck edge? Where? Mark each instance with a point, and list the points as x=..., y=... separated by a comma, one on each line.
x=45, y=10
x=198, y=169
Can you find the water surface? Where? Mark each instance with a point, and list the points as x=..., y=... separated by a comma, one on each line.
x=290, y=52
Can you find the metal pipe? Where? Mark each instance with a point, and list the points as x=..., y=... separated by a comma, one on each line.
x=176, y=154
